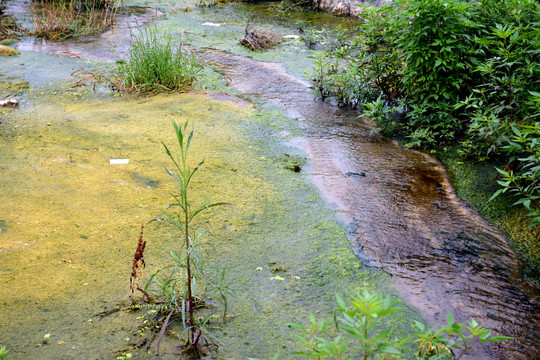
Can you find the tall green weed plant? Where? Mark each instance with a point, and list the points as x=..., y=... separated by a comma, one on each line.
x=363, y=334
x=157, y=64
x=186, y=290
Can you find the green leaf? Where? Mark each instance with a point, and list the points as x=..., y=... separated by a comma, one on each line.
x=535, y=221
x=449, y=319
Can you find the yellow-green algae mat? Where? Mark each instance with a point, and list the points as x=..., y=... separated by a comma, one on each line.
x=70, y=221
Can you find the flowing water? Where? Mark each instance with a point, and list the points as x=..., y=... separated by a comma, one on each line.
x=404, y=217
x=398, y=206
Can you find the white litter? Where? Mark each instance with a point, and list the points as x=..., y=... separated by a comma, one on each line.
x=210, y=24
x=291, y=37
x=118, y=161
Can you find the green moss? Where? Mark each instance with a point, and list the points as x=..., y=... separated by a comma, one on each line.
x=476, y=182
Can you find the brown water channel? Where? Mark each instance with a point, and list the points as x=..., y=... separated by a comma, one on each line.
x=403, y=216
x=398, y=206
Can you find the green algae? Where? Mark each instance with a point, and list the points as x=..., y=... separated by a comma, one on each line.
x=475, y=183
x=71, y=222
x=232, y=19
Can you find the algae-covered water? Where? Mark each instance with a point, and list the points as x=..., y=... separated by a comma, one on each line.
x=70, y=220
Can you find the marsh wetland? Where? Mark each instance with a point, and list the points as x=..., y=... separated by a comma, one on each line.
x=318, y=205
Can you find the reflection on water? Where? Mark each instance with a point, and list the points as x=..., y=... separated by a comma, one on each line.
x=403, y=216
x=108, y=46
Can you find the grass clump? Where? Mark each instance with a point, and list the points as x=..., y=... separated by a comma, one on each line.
x=8, y=27
x=60, y=20
x=157, y=64
x=3, y=353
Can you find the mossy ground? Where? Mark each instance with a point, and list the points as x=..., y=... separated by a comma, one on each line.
x=476, y=182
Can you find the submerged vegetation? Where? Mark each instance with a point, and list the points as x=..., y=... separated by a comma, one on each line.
x=362, y=332
x=473, y=81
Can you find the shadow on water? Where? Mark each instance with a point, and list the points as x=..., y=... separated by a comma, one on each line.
x=403, y=215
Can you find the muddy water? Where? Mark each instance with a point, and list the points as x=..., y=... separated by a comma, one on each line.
x=404, y=217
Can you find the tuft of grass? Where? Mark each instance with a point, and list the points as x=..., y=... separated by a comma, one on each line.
x=157, y=64
x=3, y=353
x=66, y=19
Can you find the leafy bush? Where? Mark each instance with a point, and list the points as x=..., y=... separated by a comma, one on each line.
x=157, y=64
x=524, y=181
x=469, y=72
x=363, y=333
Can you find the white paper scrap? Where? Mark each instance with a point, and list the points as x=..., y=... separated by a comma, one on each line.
x=118, y=161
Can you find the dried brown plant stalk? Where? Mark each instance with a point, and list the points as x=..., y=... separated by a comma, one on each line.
x=138, y=262
x=257, y=39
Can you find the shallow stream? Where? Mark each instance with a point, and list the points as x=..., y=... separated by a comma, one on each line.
x=69, y=215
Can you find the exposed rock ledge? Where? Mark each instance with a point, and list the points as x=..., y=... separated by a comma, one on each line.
x=347, y=7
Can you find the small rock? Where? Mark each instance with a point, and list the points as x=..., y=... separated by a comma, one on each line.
x=7, y=51
x=355, y=174
x=11, y=103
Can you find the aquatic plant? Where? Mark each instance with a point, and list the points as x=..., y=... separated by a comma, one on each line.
x=256, y=39
x=62, y=20
x=363, y=332
x=157, y=64
x=186, y=285
x=138, y=262
x=3, y=353
x=8, y=26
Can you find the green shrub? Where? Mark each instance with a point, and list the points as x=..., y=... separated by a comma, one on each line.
x=468, y=72
x=364, y=335
x=157, y=64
